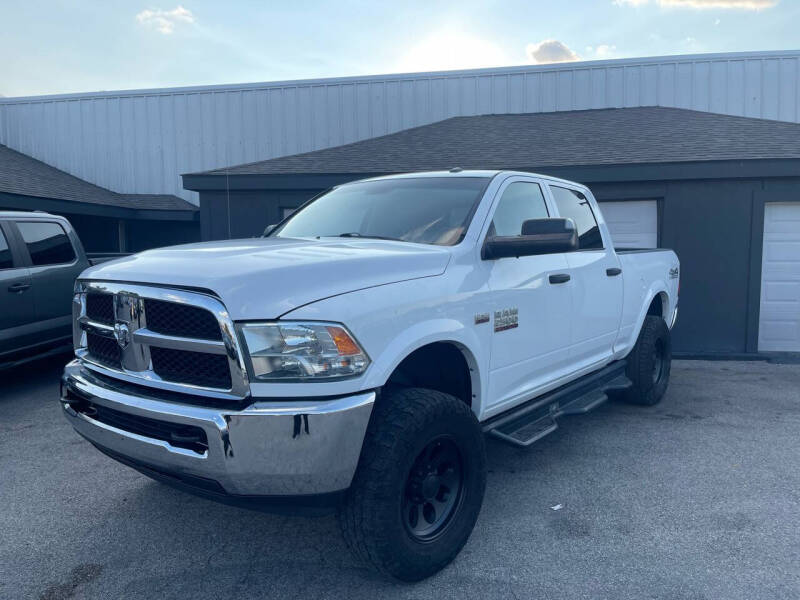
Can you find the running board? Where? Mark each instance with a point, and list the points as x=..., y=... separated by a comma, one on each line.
x=523, y=425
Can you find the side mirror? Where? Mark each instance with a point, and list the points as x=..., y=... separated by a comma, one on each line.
x=269, y=229
x=539, y=236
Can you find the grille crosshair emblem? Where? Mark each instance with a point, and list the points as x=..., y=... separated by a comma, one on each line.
x=122, y=334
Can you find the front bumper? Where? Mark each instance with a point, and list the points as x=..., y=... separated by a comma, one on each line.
x=269, y=448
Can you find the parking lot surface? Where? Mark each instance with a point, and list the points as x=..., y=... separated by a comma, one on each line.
x=696, y=498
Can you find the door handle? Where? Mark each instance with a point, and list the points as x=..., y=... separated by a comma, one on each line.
x=559, y=278
x=613, y=271
x=18, y=288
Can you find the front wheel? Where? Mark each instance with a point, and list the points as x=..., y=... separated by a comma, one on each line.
x=419, y=485
x=649, y=363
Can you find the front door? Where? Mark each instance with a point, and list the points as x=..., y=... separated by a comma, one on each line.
x=530, y=317
x=17, y=314
x=54, y=268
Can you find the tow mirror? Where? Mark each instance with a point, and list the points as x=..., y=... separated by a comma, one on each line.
x=538, y=236
x=269, y=229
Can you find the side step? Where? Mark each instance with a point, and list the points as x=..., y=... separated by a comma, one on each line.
x=531, y=421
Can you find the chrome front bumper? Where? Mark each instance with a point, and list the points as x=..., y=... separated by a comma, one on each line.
x=269, y=448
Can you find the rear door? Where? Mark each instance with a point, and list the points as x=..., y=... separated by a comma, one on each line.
x=17, y=315
x=54, y=266
x=531, y=316
x=597, y=275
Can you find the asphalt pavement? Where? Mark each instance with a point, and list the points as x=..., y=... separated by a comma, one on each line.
x=697, y=498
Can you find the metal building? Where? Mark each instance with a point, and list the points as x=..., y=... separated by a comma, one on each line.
x=140, y=141
x=719, y=180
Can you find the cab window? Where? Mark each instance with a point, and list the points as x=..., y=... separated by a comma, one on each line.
x=574, y=205
x=47, y=243
x=6, y=261
x=521, y=200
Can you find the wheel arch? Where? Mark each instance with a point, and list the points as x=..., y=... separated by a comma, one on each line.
x=658, y=305
x=656, y=299
x=444, y=340
x=656, y=302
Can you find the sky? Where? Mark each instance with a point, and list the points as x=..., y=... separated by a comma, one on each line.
x=62, y=47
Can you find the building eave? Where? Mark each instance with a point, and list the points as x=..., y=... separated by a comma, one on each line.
x=23, y=202
x=723, y=169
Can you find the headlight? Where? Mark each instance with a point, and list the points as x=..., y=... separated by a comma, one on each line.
x=287, y=350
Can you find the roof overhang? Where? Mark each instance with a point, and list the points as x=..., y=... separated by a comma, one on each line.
x=723, y=169
x=21, y=202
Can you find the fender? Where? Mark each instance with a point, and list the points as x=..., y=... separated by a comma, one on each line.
x=428, y=332
x=656, y=288
x=389, y=331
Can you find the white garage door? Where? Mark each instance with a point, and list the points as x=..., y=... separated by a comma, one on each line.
x=633, y=224
x=779, y=324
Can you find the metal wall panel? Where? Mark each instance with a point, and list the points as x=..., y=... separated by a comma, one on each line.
x=141, y=141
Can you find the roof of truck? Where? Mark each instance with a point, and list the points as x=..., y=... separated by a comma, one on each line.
x=458, y=172
x=28, y=214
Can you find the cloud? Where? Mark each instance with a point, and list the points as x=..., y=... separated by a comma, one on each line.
x=164, y=21
x=550, y=51
x=703, y=4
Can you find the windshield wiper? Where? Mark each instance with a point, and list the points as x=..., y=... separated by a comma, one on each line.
x=355, y=234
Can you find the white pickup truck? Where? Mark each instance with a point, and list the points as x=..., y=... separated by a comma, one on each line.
x=356, y=356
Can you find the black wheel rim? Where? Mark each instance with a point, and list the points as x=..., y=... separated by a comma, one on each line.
x=658, y=361
x=433, y=490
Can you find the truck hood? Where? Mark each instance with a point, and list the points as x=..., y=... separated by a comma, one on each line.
x=265, y=278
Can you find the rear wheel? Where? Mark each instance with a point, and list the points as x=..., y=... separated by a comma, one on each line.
x=419, y=485
x=649, y=363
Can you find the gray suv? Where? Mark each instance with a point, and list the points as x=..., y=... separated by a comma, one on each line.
x=40, y=257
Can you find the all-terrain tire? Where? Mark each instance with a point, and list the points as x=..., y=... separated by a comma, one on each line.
x=404, y=425
x=649, y=363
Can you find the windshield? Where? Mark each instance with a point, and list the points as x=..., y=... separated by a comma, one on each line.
x=426, y=210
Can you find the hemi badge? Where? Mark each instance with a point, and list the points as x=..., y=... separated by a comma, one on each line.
x=481, y=318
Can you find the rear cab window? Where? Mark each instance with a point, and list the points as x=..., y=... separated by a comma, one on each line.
x=47, y=242
x=574, y=205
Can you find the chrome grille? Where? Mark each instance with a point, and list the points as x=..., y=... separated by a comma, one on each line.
x=100, y=308
x=181, y=320
x=171, y=339
x=104, y=350
x=210, y=370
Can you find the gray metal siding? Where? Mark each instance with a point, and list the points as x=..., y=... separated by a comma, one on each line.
x=141, y=141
